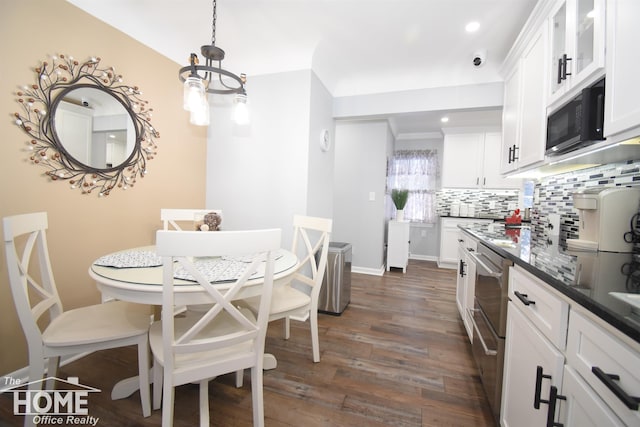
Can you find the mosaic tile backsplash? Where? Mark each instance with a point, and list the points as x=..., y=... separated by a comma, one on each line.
x=553, y=195
x=478, y=198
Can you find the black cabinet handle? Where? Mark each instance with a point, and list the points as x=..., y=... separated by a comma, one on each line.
x=631, y=402
x=553, y=400
x=524, y=298
x=510, y=153
x=462, y=265
x=564, y=66
x=559, y=70
x=537, y=400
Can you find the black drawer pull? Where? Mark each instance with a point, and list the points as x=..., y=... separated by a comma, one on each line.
x=631, y=402
x=523, y=298
x=537, y=400
x=553, y=400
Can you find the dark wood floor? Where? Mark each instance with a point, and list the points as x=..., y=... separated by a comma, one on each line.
x=398, y=356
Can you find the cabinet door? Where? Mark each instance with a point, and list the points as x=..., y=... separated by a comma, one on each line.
x=491, y=171
x=533, y=118
x=448, y=247
x=588, y=39
x=622, y=109
x=558, y=37
x=581, y=406
x=460, y=165
x=526, y=349
x=461, y=282
x=510, y=120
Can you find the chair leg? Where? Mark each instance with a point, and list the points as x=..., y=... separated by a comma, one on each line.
x=315, y=342
x=168, y=393
x=36, y=372
x=52, y=371
x=257, y=396
x=143, y=375
x=287, y=327
x=204, y=403
x=157, y=384
x=239, y=378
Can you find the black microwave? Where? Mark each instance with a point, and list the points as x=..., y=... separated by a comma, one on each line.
x=578, y=123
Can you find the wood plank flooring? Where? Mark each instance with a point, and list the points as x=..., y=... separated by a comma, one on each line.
x=398, y=356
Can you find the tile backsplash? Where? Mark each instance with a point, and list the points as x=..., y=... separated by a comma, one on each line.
x=478, y=198
x=553, y=195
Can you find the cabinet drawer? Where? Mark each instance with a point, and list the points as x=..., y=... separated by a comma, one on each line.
x=547, y=312
x=590, y=348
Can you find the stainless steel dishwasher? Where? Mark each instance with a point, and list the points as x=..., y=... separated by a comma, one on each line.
x=335, y=293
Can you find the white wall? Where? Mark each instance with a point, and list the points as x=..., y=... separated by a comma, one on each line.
x=361, y=149
x=259, y=178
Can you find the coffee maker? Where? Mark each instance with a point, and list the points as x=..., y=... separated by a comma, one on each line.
x=606, y=218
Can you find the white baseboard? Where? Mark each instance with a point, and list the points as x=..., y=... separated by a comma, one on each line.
x=369, y=271
x=423, y=257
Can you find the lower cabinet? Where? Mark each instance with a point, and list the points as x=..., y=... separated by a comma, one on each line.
x=594, y=382
x=398, y=244
x=465, y=282
x=532, y=366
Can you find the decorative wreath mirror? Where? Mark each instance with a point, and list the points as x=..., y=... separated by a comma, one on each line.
x=86, y=126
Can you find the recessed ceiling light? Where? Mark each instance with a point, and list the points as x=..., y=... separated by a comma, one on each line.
x=444, y=119
x=472, y=27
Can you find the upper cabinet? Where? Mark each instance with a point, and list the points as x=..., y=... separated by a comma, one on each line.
x=471, y=160
x=622, y=109
x=524, y=111
x=577, y=39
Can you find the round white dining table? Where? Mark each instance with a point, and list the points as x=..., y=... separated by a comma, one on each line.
x=143, y=285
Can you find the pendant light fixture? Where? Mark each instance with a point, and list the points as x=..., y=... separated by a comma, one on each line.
x=200, y=80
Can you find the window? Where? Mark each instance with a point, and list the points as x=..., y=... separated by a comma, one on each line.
x=416, y=171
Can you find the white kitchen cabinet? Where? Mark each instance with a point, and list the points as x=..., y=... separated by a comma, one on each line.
x=524, y=112
x=622, y=92
x=532, y=365
x=472, y=160
x=600, y=358
x=448, y=257
x=581, y=406
x=465, y=282
x=398, y=244
x=577, y=36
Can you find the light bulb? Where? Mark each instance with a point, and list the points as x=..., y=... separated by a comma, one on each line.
x=194, y=93
x=241, y=113
x=200, y=116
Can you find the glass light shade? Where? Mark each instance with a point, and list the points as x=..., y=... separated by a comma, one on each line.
x=241, y=111
x=200, y=116
x=194, y=93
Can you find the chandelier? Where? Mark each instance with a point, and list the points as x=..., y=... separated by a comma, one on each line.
x=199, y=80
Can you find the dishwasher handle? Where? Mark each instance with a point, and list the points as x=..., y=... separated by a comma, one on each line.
x=487, y=269
x=487, y=351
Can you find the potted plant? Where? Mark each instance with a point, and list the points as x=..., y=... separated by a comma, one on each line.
x=399, y=197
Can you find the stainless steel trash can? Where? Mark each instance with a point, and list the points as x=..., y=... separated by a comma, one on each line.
x=335, y=293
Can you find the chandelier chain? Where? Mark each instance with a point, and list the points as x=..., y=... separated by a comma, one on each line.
x=213, y=24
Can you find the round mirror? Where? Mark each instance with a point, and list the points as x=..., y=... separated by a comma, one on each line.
x=86, y=126
x=93, y=128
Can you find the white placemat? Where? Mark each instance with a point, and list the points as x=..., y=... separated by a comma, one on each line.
x=130, y=259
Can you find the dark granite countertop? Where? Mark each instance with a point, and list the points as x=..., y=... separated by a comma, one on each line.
x=599, y=281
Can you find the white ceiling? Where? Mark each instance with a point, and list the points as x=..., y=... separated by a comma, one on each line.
x=354, y=46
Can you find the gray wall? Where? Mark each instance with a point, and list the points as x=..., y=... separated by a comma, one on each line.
x=361, y=150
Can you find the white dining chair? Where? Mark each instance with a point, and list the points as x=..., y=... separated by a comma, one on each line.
x=86, y=329
x=199, y=346
x=298, y=299
x=171, y=218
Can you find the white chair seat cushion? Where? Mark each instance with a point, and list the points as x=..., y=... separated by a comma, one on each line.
x=285, y=299
x=97, y=323
x=223, y=324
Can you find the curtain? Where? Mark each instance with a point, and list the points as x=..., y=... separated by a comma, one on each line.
x=416, y=171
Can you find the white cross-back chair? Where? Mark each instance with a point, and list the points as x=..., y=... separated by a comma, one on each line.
x=172, y=217
x=310, y=237
x=86, y=329
x=201, y=345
